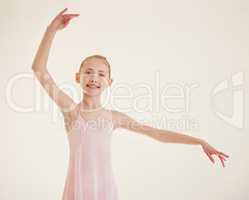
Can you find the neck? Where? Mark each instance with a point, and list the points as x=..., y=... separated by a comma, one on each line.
x=91, y=103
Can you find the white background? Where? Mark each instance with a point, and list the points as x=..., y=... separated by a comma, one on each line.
x=201, y=42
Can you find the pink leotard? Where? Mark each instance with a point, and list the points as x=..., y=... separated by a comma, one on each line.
x=89, y=174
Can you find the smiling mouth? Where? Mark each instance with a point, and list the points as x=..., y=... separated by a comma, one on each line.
x=92, y=86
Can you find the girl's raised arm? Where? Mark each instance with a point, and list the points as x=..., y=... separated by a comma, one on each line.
x=39, y=65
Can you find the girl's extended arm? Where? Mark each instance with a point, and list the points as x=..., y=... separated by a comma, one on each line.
x=121, y=120
x=39, y=65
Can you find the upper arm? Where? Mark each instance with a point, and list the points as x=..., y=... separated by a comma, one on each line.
x=62, y=100
x=122, y=120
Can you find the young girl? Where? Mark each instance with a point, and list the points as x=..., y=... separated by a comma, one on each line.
x=90, y=175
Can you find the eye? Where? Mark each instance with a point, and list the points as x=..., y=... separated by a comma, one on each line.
x=102, y=75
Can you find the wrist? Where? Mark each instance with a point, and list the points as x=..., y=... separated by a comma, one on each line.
x=201, y=142
x=51, y=29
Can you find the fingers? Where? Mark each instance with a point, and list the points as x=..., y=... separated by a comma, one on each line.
x=209, y=156
x=72, y=15
x=222, y=161
x=223, y=154
x=67, y=15
x=66, y=21
x=64, y=10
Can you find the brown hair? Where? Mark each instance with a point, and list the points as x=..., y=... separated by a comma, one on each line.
x=103, y=58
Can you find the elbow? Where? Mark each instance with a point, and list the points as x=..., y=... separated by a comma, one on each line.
x=37, y=69
x=33, y=67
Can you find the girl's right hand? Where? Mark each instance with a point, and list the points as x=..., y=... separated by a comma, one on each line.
x=61, y=20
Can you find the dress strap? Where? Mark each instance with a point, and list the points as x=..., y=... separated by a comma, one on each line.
x=78, y=111
x=111, y=118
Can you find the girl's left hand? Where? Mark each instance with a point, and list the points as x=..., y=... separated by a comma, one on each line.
x=209, y=150
x=62, y=20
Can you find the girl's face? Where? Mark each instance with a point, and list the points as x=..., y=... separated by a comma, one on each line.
x=94, y=76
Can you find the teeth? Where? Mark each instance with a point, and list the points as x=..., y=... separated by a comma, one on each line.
x=92, y=86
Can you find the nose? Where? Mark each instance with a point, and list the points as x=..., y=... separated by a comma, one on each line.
x=93, y=80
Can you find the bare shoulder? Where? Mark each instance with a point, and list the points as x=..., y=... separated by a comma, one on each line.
x=122, y=120
x=117, y=115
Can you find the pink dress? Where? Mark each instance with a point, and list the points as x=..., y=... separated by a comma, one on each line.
x=89, y=174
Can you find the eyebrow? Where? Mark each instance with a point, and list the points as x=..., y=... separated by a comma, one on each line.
x=92, y=69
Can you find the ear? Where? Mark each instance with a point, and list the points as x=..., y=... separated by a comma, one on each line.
x=77, y=77
x=110, y=82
